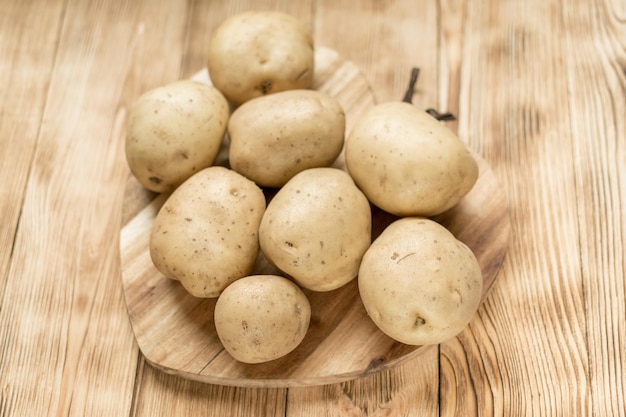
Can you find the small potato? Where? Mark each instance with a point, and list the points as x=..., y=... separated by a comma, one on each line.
x=260, y=318
x=260, y=52
x=317, y=228
x=408, y=163
x=274, y=137
x=418, y=283
x=173, y=132
x=206, y=232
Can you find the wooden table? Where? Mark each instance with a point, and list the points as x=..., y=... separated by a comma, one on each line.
x=539, y=88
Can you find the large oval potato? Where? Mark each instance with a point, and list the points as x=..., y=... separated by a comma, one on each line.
x=173, y=132
x=408, y=163
x=260, y=318
x=260, y=52
x=418, y=283
x=206, y=232
x=274, y=137
x=316, y=229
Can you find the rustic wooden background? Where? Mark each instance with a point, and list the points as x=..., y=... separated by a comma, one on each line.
x=539, y=88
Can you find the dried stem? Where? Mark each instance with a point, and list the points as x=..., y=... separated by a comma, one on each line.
x=408, y=96
x=440, y=116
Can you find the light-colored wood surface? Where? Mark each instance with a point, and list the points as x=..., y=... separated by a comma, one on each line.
x=539, y=88
x=175, y=331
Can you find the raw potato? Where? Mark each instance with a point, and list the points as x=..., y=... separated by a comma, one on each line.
x=418, y=283
x=206, y=232
x=173, y=132
x=317, y=228
x=408, y=163
x=260, y=318
x=256, y=53
x=274, y=137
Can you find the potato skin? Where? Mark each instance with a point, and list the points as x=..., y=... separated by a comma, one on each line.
x=274, y=137
x=206, y=232
x=418, y=283
x=407, y=162
x=260, y=52
x=260, y=318
x=173, y=132
x=316, y=229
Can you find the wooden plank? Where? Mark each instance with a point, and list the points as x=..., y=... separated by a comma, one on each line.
x=409, y=389
x=68, y=348
x=25, y=71
x=167, y=395
x=596, y=79
x=25, y=68
x=452, y=18
x=528, y=348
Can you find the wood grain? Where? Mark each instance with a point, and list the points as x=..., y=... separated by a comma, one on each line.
x=533, y=134
x=597, y=105
x=23, y=100
x=66, y=339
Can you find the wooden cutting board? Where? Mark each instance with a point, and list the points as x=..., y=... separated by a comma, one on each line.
x=175, y=331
